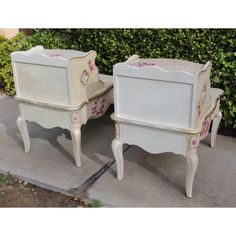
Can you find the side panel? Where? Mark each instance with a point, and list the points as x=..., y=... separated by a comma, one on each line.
x=154, y=101
x=42, y=83
x=82, y=72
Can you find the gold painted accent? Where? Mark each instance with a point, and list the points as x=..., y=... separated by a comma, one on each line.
x=51, y=105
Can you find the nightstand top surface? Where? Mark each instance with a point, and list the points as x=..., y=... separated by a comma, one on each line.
x=169, y=65
x=63, y=54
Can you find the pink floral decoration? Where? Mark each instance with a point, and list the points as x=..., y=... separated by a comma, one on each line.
x=198, y=110
x=57, y=55
x=206, y=127
x=144, y=64
x=98, y=108
x=91, y=65
x=194, y=142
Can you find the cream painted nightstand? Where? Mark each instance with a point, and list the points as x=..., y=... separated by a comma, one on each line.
x=59, y=88
x=164, y=105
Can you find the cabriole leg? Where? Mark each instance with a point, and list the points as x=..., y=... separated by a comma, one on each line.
x=22, y=125
x=75, y=132
x=76, y=142
x=117, y=148
x=214, y=129
x=192, y=163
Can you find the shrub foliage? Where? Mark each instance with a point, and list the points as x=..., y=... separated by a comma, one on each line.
x=116, y=45
x=6, y=47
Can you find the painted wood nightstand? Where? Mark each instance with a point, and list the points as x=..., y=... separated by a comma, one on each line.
x=59, y=88
x=164, y=105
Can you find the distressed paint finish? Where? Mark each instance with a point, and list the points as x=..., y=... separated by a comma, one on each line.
x=57, y=88
x=164, y=105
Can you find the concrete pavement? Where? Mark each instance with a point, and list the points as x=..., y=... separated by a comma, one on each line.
x=149, y=180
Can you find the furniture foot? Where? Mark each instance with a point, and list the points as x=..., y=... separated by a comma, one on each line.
x=214, y=129
x=76, y=142
x=117, y=148
x=22, y=126
x=192, y=163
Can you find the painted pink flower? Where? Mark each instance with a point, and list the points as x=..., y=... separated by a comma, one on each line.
x=91, y=65
x=199, y=110
x=144, y=64
x=194, y=142
x=57, y=55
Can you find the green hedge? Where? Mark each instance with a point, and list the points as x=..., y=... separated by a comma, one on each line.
x=116, y=45
x=6, y=47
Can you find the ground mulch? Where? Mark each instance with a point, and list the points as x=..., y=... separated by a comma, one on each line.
x=17, y=193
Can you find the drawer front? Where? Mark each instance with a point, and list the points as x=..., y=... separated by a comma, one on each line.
x=46, y=117
x=152, y=140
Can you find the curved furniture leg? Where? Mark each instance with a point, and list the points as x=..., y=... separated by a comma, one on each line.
x=76, y=141
x=22, y=125
x=192, y=163
x=117, y=148
x=215, y=126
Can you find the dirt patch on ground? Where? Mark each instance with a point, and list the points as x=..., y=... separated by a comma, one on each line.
x=16, y=193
